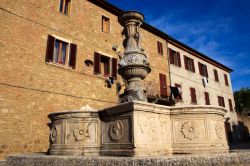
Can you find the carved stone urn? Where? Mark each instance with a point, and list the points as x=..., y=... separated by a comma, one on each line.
x=133, y=65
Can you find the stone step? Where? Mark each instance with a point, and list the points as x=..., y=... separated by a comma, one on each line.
x=36, y=159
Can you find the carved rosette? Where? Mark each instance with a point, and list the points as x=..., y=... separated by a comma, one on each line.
x=219, y=130
x=82, y=133
x=189, y=131
x=116, y=130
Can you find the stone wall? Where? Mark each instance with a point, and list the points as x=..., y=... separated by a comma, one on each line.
x=31, y=88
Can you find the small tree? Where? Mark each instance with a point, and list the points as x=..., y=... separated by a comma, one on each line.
x=242, y=101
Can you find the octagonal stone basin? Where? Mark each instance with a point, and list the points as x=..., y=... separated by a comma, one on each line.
x=139, y=129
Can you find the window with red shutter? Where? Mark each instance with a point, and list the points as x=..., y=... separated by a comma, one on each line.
x=230, y=105
x=189, y=64
x=178, y=59
x=72, y=55
x=207, y=100
x=105, y=65
x=60, y=52
x=186, y=62
x=226, y=80
x=216, y=78
x=174, y=57
x=160, y=48
x=114, y=67
x=163, y=85
x=96, y=63
x=64, y=6
x=180, y=91
x=221, y=101
x=203, y=69
x=105, y=24
x=171, y=58
x=192, y=61
x=193, y=95
x=50, y=48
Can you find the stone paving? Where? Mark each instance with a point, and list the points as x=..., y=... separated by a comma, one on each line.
x=38, y=159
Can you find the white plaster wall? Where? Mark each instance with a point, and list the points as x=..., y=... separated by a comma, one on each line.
x=189, y=79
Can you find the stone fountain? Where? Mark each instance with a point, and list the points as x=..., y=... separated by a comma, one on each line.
x=135, y=127
x=134, y=65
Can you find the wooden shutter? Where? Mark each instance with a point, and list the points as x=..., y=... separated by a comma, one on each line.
x=207, y=101
x=163, y=85
x=206, y=71
x=216, y=75
x=186, y=62
x=193, y=95
x=96, y=63
x=223, y=102
x=226, y=80
x=200, y=68
x=103, y=24
x=159, y=47
x=171, y=59
x=50, y=48
x=72, y=55
x=179, y=59
x=230, y=105
x=114, y=67
x=192, y=61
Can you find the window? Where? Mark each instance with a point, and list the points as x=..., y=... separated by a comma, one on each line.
x=193, y=96
x=207, y=100
x=226, y=80
x=105, y=65
x=180, y=91
x=174, y=57
x=216, y=78
x=221, y=101
x=61, y=52
x=65, y=6
x=203, y=69
x=163, y=85
x=189, y=64
x=160, y=48
x=105, y=24
x=230, y=105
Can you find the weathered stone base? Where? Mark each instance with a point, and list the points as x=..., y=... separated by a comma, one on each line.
x=230, y=159
x=138, y=129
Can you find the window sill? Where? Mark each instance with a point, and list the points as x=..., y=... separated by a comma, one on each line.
x=59, y=66
x=106, y=32
x=104, y=77
x=67, y=15
x=190, y=71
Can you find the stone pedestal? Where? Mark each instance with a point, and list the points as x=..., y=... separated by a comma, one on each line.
x=74, y=133
x=143, y=129
x=139, y=129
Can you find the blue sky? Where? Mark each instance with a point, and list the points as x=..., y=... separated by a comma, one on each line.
x=218, y=28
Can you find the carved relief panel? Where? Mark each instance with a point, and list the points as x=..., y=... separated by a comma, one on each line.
x=56, y=133
x=151, y=128
x=117, y=131
x=217, y=131
x=189, y=130
x=81, y=133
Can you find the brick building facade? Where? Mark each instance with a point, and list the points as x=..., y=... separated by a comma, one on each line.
x=59, y=55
